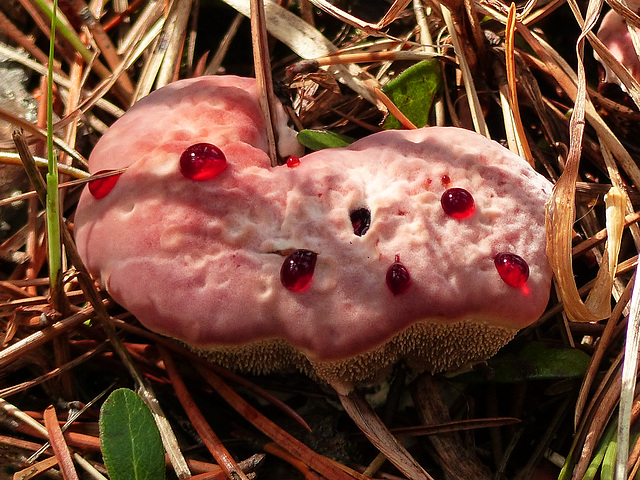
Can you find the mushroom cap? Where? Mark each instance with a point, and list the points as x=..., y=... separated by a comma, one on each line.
x=200, y=261
x=614, y=33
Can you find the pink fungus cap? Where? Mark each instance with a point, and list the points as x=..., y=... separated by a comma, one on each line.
x=615, y=35
x=340, y=266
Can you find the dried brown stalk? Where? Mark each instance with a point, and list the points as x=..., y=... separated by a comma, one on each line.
x=458, y=462
x=59, y=445
x=262, y=66
x=210, y=439
x=370, y=28
x=522, y=142
x=603, y=345
x=477, y=114
x=379, y=435
x=266, y=426
x=36, y=469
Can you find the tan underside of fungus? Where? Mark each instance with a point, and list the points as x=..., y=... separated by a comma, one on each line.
x=423, y=346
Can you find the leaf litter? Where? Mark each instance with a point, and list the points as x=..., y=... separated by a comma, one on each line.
x=504, y=70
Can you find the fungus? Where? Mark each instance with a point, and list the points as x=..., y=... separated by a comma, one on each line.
x=406, y=245
x=615, y=35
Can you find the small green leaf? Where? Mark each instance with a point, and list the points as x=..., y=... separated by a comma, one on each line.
x=535, y=361
x=321, y=139
x=413, y=92
x=131, y=444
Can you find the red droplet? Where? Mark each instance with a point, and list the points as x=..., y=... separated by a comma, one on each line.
x=457, y=203
x=512, y=268
x=398, y=277
x=100, y=187
x=202, y=161
x=297, y=270
x=445, y=180
x=293, y=162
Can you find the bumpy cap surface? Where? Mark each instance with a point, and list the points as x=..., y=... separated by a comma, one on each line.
x=228, y=261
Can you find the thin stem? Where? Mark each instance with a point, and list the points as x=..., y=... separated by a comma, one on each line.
x=64, y=30
x=53, y=206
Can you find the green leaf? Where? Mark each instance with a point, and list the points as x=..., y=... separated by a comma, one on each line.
x=535, y=361
x=321, y=139
x=413, y=92
x=131, y=444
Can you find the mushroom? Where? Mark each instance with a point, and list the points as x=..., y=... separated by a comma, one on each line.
x=426, y=245
x=615, y=35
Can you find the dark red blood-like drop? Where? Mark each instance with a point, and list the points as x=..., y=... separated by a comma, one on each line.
x=398, y=277
x=512, y=268
x=457, y=203
x=297, y=270
x=445, y=180
x=100, y=187
x=202, y=161
x=293, y=161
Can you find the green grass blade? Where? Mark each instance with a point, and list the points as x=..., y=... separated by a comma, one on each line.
x=66, y=32
x=53, y=207
x=607, y=446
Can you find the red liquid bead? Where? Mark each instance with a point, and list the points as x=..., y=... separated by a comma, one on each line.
x=297, y=270
x=100, y=187
x=457, y=203
x=512, y=268
x=398, y=277
x=445, y=180
x=202, y=161
x=293, y=162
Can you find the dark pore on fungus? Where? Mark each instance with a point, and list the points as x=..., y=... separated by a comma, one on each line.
x=360, y=220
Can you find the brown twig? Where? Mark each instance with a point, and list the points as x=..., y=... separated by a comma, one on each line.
x=59, y=445
x=378, y=434
x=262, y=65
x=208, y=436
x=266, y=426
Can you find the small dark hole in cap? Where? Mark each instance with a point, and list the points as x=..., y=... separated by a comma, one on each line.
x=361, y=220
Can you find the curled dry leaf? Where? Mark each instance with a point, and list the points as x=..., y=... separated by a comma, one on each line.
x=560, y=218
